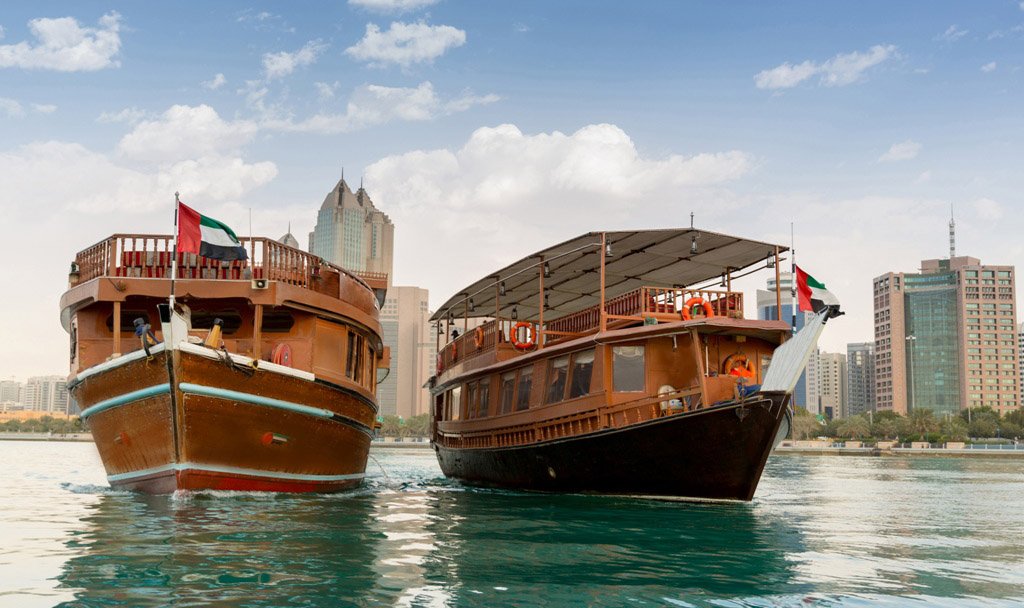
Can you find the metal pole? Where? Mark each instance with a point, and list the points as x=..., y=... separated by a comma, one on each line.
x=778, y=288
x=540, y=305
x=174, y=256
x=792, y=282
x=604, y=248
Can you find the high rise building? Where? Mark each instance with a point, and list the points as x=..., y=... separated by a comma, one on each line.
x=352, y=233
x=806, y=392
x=946, y=337
x=832, y=385
x=11, y=395
x=860, y=378
x=405, y=320
x=46, y=394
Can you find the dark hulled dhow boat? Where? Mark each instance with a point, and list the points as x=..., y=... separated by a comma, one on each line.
x=603, y=365
x=261, y=377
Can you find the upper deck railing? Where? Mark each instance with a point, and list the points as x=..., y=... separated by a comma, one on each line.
x=150, y=256
x=661, y=304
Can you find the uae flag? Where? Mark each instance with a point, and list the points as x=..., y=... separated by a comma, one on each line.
x=206, y=236
x=812, y=293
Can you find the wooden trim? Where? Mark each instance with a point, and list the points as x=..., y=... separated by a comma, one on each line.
x=116, y=326
x=695, y=338
x=257, y=331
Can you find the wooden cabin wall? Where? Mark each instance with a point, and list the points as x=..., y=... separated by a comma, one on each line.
x=721, y=348
x=671, y=363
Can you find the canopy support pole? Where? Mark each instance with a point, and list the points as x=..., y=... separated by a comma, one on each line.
x=778, y=288
x=604, y=248
x=540, y=306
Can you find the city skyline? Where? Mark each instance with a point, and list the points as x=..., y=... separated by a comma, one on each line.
x=506, y=127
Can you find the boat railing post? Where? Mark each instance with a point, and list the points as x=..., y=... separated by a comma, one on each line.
x=540, y=305
x=603, y=321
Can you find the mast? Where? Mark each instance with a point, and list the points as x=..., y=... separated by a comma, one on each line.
x=174, y=256
x=792, y=282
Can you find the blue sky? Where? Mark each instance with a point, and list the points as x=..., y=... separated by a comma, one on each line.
x=488, y=130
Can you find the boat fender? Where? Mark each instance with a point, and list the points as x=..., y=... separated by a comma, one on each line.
x=666, y=389
x=697, y=301
x=531, y=335
x=478, y=338
x=737, y=364
x=282, y=355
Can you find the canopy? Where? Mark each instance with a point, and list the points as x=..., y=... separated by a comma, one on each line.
x=635, y=258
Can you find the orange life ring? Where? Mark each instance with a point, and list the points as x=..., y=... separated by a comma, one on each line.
x=738, y=365
x=478, y=338
x=440, y=363
x=282, y=355
x=531, y=335
x=697, y=301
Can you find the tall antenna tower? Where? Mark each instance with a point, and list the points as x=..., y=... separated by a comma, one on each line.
x=952, y=233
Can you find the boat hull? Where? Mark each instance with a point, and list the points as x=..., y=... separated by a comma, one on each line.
x=713, y=453
x=180, y=421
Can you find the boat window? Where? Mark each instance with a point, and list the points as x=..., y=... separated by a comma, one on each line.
x=483, y=394
x=558, y=373
x=371, y=367
x=203, y=319
x=628, y=368
x=354, y=359
x=277, y=322
x=508, y=386
x=457, y=403
x=523, y=388
x=128, y=320
x=582, y=370
x=471, y=403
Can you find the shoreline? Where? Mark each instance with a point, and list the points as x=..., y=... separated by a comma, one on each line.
x=837, y=451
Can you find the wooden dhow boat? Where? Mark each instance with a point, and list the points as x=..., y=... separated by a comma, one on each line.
x=602, y=365
x=262, y=376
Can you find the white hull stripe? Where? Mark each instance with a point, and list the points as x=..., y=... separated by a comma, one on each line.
x=222, y=393
x=229, y=470
x=142, y=393
x=267, y=366
x=118, y=362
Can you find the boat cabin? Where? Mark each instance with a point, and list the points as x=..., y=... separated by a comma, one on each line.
x=281, y=305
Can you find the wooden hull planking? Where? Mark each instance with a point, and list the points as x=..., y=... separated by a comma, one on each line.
x=224, y=428
x=712, y=453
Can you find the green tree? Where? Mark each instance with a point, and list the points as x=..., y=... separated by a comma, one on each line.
x=855, y=428
x=922, y=421
x=983, y=424
x=1010, y=430
x=804, y=424
x=419, y=426
x=389, y=426
x=955, y=429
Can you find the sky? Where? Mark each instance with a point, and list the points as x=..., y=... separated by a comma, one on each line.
x=490, y=130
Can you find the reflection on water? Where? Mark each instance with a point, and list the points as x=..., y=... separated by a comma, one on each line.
x=835, y=531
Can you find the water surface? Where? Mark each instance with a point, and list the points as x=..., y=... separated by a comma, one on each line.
x=822, y=531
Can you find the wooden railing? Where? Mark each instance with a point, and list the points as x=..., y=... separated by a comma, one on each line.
x=150, y=256
x=659, y=303
x=578, y=423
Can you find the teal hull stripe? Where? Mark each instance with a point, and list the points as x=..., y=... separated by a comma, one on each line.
x=142, y=393
x=212, y=468
x=221, y=393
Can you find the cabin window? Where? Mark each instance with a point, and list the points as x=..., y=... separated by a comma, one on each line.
x=471, y=393
x=371, y=368
x=128, y=320
x=508, y=387
x=523, y=389
x=582, y=370
x=276, y=322
x=484, y=397
x=203, y=319
x=455, y=404
x=628, y=368
x=558, y=373
x=354, y=360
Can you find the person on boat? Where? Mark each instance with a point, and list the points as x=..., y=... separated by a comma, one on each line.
x=455, y=334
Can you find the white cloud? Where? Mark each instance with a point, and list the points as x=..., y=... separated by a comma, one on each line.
x=924, y=178
x=184, y=132
x=44, y=108
x=278, y=65
x=520, y=27
x=12, y=108
x=405, y=43
x=372, y=105
x=215, y=83
x=988, y=209
x=2, y=32
x=325, y=91
x=64, y=45
x=904, y=150
x=840, y=70
x=127, y=115
x=488, y=193
x=952, y=34
x=391, y=6
x=989, y=67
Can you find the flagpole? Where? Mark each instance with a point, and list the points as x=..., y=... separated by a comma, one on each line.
x=792, y=282
x=174, y=256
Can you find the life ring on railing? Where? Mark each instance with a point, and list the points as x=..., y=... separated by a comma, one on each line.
x=455, y=350
x=282, y=355
x=697, y=301
x=478, y=338
x=440, y=363
x=738, y=365
x=531, y=335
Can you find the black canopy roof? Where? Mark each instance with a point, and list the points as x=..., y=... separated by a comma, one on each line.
x=636, y=258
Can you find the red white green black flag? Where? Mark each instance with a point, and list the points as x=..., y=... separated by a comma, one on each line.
x=812, y=294
x=206, y=236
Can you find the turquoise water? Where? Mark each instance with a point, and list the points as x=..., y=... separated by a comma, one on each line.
x=822, y=531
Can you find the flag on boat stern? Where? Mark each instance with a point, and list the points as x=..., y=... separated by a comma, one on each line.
x=812, y=293
x=206, y=236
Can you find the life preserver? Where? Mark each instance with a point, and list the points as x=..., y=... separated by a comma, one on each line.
x=738, y=365
x=697, y=301
x=478, y=338
x=282, y=355
x=531, y=335
x=440, y=363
